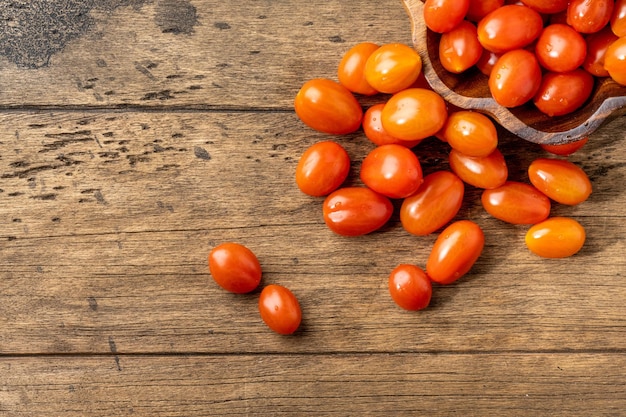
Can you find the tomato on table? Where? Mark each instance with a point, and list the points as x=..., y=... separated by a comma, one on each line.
x=515, y=78
x=279, y=309
x=486, y=172
x=565, y=149
x=392, y=67
x=351, y=70
x=556, y=237
x=516, y=203
x=560, y=179
x=562, y=93
x=392, y=170
x=509, y=27
x=234, y=267
x=443, y=15
x=355, y=211
x=375, y=132
x=414, y=114
x=410, y=287
x=322, y=168
x=471, y=133
x=459, y=48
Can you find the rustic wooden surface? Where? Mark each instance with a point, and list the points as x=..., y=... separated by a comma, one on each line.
x=142, y=133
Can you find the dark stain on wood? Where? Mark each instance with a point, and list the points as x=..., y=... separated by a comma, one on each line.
x=176, y=17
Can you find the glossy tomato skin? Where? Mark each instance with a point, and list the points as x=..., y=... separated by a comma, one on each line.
x=459, y=48
x=597, y=44
x=322, y=168
x=375, y=132
x=481, y=8
x=556, y=237
x=279, y=309
x=565, y=149
x=515, y=78
x=615, y=60
x=516, y=203
x=444, y=15
x=455, y=251
x=351, y=70
x=618, y=18
x=509, y=27
x=560, y=48
x=471, y=133
x=355, y=211
x=410, y=287
x=560, y=179
x=589, y=16
x=547, y=6
x=392, y=170
x=487, y=61
x=435, y=203
x=393, y=67
x=562, y=93
x=328, y=107
x=486, y=172
x=234, y=267
x=414, y=114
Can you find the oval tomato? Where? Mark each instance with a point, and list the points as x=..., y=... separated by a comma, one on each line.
x=410, y=287
x=597, y=44
x=459, y=48
x=486, y=172
x=509, y=27
x=471, y=133
x=515, y=78
x=392, y=170
x=565, y=149
x=322, y=168
x=547, y=6
x=374, y=130
x=351, y=71
x=280, y=309
x=560, y=48
x=556, y=237
x=481, y=8
x=435, y=203
x=559, y=179
x=328, y=107
x=563, y=92
x=393, y=67
x=234, y=267
x=589, y=16
x=354, y=211
x=516, y=203
x=414, y=114
x=487, y=61
x=615, y=60
x=618, y=18
x=443, y=15
x=455, y=251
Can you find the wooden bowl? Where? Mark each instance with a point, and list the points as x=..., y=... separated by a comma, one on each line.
x=470, y=91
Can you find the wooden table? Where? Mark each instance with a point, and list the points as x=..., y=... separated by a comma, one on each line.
x=137, y=135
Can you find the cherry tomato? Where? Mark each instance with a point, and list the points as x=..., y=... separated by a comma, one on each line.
x=354, y=211
x=597, y=44
x=328, y=107
x=459, y=48
x=280, y=309
x=393, y=67
x=589, y=16
x=471, y=133
x=322, y=168
x=487, y=61
x=410, y=287
x=374, y=130
x=515, y=78
x=618, y=18
x=565, y=149
x=443, y=15
x=547, y=6
x=556, y=237
x=486, y=172
x=234, y=267
x=560, y=48
x=563, y=92
x=516, y=203
x=414, y=113
x=509, y=27
x=435, y=203
x=351, y=71
x=455, y=251
x=392, y=170
x=560, y=179
x=615, y=60
x=481, y=8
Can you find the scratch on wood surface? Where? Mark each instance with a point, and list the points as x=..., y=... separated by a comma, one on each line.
x=113, y=349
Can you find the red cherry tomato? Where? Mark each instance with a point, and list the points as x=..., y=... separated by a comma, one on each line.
x=565, y=149
x=455, y=251
x=560, y=179
x=443, y=15
x=589, y=16
x=351, y=71
x=615, y=60
x=328, y=107
x=414, y=114
x=509, y=27
x=556, y=237
x=487, y=61
x=471, y=133
x=481, y=8
x=354, y=211
x=435, y=203
x=563, y=92
x=618, y=18
x=280, y=309
x=547, y=6
x=597, y=44
x=374, y=130
x=322, y=168
x=560, y=48
x=393, y=67
x=459, y=48
x=516, y=203
x=486, y=172
x=392, y=170
x=410, y=287
x=515, y=78
x=234, y=267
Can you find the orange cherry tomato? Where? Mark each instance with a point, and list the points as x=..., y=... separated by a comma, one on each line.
x=414, y=114
x=618, y=18
x=374, y=130
x=328, y=107
x=509, y=27
x=597, y=44
x=410, y=287
x=547, y=6
x=487, y=61
x=589, y=16
x=515, y=78
x=556, y=237
x=392, y=170
x=443, y=15
x=471, y=133
x=615, y=60
x=560, y=179
x=393, y=67
x=565, y=149
x=322, y=168
x=280, y=309
x=560, y=48
x=516, y=203
x=435, y=203
x=351, y=71
x=459, y=48
x=481, y=8
x=354, y=211
x=234, y=267
x=455, y=251
x=486, y=172
x=561, y=93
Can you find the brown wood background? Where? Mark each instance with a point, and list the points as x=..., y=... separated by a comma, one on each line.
x=136, y=135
